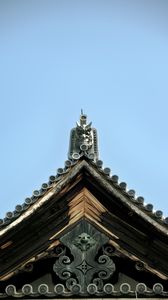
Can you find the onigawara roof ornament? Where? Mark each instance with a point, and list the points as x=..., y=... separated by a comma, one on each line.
x=83, y=140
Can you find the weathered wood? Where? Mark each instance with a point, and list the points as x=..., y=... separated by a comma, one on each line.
x=84, y=194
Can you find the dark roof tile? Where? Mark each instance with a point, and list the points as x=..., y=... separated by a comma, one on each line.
x=122, y=186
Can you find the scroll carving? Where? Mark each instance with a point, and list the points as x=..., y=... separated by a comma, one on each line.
x=85, y=260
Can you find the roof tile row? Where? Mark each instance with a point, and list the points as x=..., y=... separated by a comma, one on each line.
x=122, y=186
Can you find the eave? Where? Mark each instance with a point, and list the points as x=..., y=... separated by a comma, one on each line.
x=104, y=180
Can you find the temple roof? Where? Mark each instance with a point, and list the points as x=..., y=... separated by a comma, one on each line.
x=83, y=151
x=72, y=167
x=83, y=233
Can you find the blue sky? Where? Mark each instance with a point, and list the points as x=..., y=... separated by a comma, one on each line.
x=109, y=58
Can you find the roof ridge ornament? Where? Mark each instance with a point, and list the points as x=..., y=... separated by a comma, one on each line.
x=83, y=140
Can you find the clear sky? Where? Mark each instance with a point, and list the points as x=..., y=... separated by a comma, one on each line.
x=109, y=58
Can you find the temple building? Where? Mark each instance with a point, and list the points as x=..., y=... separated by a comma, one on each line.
x=83, y=235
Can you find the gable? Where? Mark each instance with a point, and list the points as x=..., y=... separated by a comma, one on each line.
x=83, y=234
x=83, y=261
x=80, y=218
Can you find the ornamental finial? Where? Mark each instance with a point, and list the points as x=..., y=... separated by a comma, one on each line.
x=83, y=140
